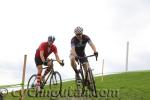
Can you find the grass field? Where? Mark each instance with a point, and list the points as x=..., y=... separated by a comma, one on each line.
x=124, y=86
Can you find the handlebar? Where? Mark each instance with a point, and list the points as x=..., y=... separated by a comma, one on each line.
x=55, y=60
x=79, y=58
x=52, y=60
x=88, y=57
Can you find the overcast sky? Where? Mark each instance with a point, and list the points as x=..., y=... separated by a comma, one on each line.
x=24, y=24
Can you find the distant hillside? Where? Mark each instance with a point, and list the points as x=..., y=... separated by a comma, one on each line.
x=124, y=86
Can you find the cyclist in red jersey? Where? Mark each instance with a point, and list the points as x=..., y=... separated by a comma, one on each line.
x=41, y=57
x=78, y=44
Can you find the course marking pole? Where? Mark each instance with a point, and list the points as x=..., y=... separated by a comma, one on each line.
x=127, y=55
x=23, y=77
x=102, y=70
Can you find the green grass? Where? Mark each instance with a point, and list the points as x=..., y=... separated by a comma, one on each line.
x=124, y=86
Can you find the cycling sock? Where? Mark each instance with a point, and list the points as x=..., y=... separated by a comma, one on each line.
x=38, y=79
x=76, y=71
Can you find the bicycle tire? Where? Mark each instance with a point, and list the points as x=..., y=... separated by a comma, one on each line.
x=55, y=83
x=92, y=86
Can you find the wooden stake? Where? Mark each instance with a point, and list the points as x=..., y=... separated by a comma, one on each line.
x=23, y=77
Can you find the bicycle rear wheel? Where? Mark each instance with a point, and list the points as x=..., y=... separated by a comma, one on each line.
x=55, y=83
x=92, y=86
x=32, y=82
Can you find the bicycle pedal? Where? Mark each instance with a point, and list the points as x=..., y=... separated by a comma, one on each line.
x=78, y=84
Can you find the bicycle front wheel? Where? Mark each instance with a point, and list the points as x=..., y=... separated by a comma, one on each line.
x=55, y=83
x=80, y=84
x=92, y=86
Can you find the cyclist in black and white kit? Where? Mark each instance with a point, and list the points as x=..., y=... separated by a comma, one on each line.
x=78, y=44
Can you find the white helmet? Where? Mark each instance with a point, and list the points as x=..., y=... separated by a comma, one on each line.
x=78, y=30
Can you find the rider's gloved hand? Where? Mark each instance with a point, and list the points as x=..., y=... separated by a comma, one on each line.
x=61, y=63
x=45, y=62
x=96, y=54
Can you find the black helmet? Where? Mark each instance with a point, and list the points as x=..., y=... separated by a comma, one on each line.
x=51, y=39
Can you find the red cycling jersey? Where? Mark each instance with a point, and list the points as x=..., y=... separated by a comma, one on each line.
x=47, y=50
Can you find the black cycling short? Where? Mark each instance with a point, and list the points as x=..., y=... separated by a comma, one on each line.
x=83, y=60
x=82, y=54
x=38, y=61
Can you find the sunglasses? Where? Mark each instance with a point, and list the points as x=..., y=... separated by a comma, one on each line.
x=50, y=42
x=78, y=34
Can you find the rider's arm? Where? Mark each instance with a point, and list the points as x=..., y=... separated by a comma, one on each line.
x=41, y=49
x=41, y=55
x=73, y=52
x=92, y=46
x=57, y=58
x=56, y=54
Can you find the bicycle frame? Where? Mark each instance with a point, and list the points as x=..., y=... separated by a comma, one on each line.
x=81, y=64
x=51, y=71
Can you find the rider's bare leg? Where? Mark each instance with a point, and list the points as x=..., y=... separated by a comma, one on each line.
x=85, y=67
x=39, y=77
x=73, y=64
x=48, y=69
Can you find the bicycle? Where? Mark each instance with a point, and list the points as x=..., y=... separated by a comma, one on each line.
x=80, y=82
x=54, y=83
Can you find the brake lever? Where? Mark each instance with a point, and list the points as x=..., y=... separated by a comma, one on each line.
x=96, y=57
x=62, y=61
